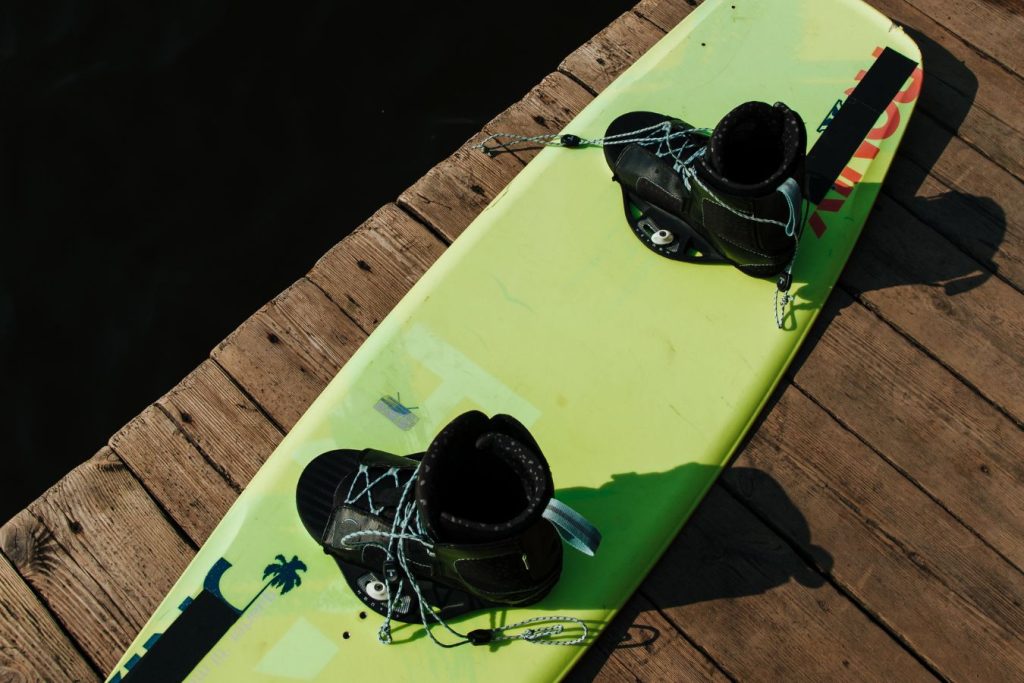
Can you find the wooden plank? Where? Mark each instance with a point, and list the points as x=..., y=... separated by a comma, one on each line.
x=597, y=63
x=32, y=645
x=943, y=299
x=455, y=191
x=942, y=435
x=440, y=198
x=989, y=188
x=286, y=352
x=369, y=271
x=184, y=482
x=99, y=552
x=995, y=139
x=748, y=600
x=547, y=108
x=893, y=548
x=993, y=27
x=220, y=421
x=641, y=645
x=974, y=224
x=665, y=14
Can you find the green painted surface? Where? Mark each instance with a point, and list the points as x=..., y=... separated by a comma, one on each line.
x=638, y=375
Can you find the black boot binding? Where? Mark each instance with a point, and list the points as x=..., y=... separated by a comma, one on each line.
x=469, y=524
x=729, y=195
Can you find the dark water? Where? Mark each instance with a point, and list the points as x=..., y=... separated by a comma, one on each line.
x=165, y=169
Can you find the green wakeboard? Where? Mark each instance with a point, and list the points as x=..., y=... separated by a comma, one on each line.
x=638, y=375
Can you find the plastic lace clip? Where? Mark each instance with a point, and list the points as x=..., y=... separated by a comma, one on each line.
x=785, y=281
x=480, y=636
x=570, y=140
x=391, y=572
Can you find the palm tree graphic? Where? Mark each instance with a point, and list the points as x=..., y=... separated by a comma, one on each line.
x=283, y=574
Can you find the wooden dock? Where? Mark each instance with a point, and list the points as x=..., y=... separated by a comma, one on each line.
x=873, y=526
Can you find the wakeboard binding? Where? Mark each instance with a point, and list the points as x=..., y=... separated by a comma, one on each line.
x=728, y=195
x=469, y=524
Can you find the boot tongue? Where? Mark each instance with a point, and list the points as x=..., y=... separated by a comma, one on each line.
x=481, y=481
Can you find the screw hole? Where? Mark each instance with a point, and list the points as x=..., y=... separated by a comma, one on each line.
x=362, y=615
x=346, y=635
x=703, y=44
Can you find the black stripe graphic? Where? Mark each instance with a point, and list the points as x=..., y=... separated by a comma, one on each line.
x=855, y=119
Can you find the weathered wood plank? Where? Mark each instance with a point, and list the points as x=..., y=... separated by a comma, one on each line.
x=993, y=28
x=598, y=62
x=100, y=553
x=547, y=108
x=901, y=555
x=939, y=296
x=665, y=14
x=741, y=593
x=932, y=427
x=179, y=477
x=995, y=139
x=32, y=646
x=991, y=189
x=287, y=352
x=369, y=271
x=972, y=223
x=439, y=198
x=640, y=644
x=221, y=422
x=449, y=201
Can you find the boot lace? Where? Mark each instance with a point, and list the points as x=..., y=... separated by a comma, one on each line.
x=406, y=529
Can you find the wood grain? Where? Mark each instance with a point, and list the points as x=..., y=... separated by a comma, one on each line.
x=453, y=201
x=993, y=27
x=933, y=428
x=887, y=541
x=665, y=14
x=944, y=300
x=177, y=475
x=32, y=645
x=99, y=552
x=369, y=271
x=221, y=422
x=597, y=63
x=547, y=108
x=992, y=190
x=284, y=355
x=977, y=225
x=455, y=191
x=739, y=591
